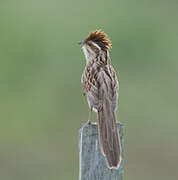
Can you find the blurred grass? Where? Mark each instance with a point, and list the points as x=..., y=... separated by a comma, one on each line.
x=42, y=107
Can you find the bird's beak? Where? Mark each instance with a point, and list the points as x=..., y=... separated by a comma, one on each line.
x=81, y=43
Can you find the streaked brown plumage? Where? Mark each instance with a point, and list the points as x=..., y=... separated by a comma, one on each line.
x=100, y=85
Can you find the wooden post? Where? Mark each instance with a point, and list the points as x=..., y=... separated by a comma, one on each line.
x=92, y=162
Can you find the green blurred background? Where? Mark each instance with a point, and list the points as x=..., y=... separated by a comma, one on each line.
x=41, y=102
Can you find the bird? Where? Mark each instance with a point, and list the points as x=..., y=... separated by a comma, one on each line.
x=100, y=86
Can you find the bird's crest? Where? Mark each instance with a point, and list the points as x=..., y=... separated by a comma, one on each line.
x=100, y=38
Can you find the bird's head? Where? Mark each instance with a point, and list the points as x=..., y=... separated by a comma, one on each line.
x=96, y=43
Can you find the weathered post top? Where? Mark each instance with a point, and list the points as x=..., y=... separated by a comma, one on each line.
x=92, y=162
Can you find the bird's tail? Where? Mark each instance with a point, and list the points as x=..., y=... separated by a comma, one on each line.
x=109, y=135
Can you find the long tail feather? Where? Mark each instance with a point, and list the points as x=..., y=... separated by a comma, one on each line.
x=109, y=136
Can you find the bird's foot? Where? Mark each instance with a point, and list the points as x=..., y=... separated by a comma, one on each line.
x=89, y=122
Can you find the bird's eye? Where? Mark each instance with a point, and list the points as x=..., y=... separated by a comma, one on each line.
x=90, y=44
